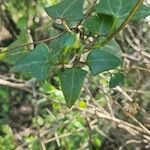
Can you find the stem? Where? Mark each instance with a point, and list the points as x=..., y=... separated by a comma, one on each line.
x=36, y=42
x=122, y=26
x=87, y=14
x=66, y=26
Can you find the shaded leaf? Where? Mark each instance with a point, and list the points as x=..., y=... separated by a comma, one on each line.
x=100, y=61
x=71, y=80
x=116, y=79
x=99, y=24
x=67, y=10
x=36, y=62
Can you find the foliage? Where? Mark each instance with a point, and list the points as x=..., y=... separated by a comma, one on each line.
x=38, y=61
x=76, y=43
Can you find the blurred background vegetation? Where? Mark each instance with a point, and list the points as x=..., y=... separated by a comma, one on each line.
x=38, y=119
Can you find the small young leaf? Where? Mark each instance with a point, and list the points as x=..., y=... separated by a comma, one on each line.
x=36, y=62
x=62, y=45
x=67, y=40
x=116, y=79
x=71, y=80
x=67, y=10
x=100, y=61
x=99, y=24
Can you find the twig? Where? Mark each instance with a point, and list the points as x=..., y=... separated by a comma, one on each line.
x=140, y=124
x=36, y=42
x=63, y=135
x=130, y=142
x=20, y=86
x=88, y=13
x=66, y=26
x=124, y=93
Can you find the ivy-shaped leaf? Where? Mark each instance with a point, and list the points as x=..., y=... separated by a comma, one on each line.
x=67, y=10
x=100, y=61
x=71, y=80
x=36, y=62
x=120, y=9
x=99, y=24
x=116, y=79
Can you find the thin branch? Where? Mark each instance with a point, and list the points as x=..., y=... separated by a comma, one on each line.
x=66, y=26
x=36, y=42
x=20, y=86
x=63, y=135
x=87, y=14
x=118, y=88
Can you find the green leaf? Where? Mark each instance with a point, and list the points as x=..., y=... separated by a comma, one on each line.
x=36, y=145
x=113, y=48
x=99, y=24
x=120, y=9
x=67, y=41
x=100, y=61
x=71, y=80
x=67, y=10
x=116, y=79
x=116, y=8
x=36, y=62
x=63, y=46
x=60, y=46
x=141, y=13
x=12, y=56
x=22, y=23
x=56, y=52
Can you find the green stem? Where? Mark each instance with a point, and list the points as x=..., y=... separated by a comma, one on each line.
x=122, y=26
